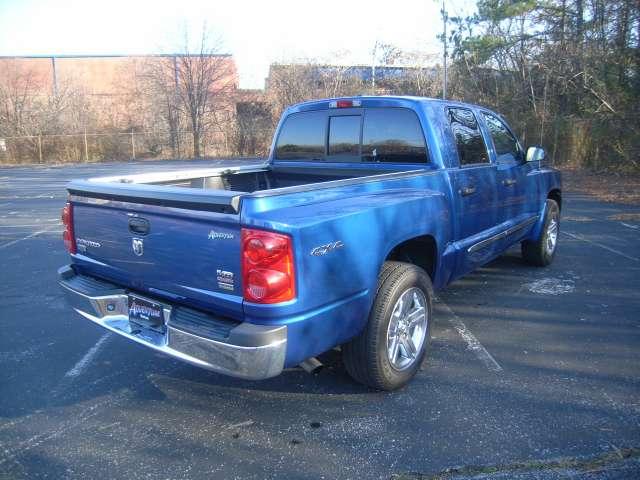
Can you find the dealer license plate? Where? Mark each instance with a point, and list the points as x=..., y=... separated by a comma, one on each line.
x=145, y=312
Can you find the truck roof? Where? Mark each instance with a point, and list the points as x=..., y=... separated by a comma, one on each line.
x=389, y=100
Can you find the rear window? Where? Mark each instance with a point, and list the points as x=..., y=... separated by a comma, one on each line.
x=302, y=136
x=392, y=135
x=344, y=135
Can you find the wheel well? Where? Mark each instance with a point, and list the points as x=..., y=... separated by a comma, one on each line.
x=557, y=196
x=420, y=251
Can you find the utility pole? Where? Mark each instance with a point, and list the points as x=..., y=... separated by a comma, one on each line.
x=373, y=69
x=444, y=41
x=54, y=76
x=175, y=133
x=133, y=146
x=86, y=146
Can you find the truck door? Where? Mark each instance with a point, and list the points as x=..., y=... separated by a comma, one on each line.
x=515, y=186
x=474, y=184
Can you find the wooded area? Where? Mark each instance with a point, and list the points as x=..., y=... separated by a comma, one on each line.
x=565, y=72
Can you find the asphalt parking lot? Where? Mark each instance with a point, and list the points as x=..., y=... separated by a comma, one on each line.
x=532, y=373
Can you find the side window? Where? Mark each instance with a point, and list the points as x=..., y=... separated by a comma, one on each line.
x=506, y=145
x=302, y=136
x=471, y=147
x=344, y=135
x=392, y=135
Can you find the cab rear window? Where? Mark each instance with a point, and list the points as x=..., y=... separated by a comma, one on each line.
x=344, y=135
x=302, y=136
x=391, y=135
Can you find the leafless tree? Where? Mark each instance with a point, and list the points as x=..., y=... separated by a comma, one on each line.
x=205, y=80
x=160, y=90
x=194, y=85
x=290, y=83
x=18, y=94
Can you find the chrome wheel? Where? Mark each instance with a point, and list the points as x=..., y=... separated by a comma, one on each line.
x=552, y=235
x=407, y=328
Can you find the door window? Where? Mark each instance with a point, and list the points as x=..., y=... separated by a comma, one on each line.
x=506, y=145
x=469, y=141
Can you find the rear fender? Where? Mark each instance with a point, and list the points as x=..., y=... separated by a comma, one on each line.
x=340, y=246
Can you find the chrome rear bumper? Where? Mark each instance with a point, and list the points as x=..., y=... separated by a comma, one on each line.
x=246, y=351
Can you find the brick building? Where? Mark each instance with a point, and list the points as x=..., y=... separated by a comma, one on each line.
x=118, y=92
x=96, y=74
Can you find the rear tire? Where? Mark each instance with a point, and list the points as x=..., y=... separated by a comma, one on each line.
x=542, y=251
x=391, y=348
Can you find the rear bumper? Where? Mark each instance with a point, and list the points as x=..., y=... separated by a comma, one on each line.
x=241, y=350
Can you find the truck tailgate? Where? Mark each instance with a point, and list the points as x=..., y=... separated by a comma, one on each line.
x=173, y=253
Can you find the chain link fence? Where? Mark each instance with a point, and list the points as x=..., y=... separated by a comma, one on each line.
x=124, y=146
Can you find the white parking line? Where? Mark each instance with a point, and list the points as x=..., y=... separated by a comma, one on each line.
x=77, y=421
x=473, y=343
x=26, y=225
x=88, y=357
x=612, y=250
x=35, y=234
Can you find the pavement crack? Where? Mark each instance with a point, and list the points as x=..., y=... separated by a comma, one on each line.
x=578, y=464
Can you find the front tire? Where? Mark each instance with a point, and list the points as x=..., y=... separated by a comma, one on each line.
x=390, y=350
x=542, y=251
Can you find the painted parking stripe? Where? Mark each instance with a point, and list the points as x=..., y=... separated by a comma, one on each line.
x=612, y=250
x=35, y=234
x=88, y=357
x=472, y=342
x=26, y=225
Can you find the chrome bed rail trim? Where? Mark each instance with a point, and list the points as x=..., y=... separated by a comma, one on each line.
x=338, y=183
x=176, y=175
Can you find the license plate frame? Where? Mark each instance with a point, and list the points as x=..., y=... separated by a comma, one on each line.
x=146, y=312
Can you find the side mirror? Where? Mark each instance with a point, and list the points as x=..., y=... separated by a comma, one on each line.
x=536, y=154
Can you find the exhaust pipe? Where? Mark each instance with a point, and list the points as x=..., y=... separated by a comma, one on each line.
x=312, y=365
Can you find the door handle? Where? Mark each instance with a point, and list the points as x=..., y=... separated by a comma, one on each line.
x=470, y=190
x=139, y=226
x=508, y=182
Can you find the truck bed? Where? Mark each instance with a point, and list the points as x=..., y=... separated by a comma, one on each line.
x=248, y=178
x=220, y=189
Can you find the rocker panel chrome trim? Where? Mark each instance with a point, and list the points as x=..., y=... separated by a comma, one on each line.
x=488, y=241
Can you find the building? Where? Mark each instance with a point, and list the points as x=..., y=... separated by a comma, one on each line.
x=103, y=75
x=67, y=95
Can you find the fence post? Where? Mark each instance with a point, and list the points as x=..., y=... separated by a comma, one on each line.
x=40, y=147
x=133, y=146
x=86, y=147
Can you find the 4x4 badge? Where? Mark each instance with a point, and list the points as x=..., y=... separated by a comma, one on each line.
x=138, y=246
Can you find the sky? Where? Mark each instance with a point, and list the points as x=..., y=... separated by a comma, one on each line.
x=257, y=33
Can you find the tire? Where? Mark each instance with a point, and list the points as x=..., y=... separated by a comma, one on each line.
x=367, y=357
x=542, y=251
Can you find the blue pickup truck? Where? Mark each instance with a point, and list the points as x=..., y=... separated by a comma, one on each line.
x=365, y=206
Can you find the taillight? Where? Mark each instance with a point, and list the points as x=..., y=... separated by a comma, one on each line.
x=67, y=221
x=267, y=267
